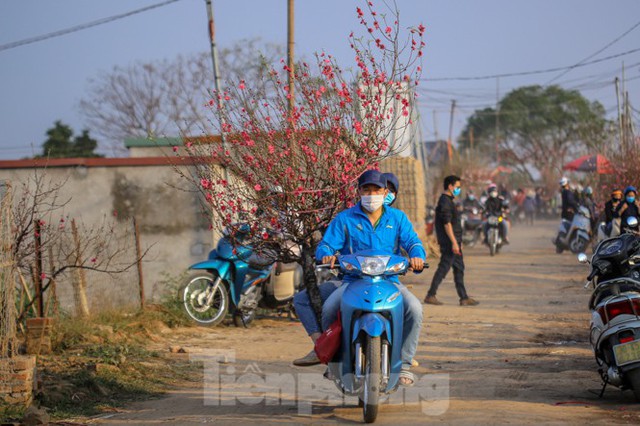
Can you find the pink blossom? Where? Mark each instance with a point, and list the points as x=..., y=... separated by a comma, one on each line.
x=387, y=30
x=206, y=183
x=257, y=187
x=241, y=85
x=175, y=149
x=43, y=276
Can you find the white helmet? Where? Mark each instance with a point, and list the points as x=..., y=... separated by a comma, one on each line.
x=564, y=181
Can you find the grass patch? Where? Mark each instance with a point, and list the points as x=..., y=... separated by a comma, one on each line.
x=108, y=360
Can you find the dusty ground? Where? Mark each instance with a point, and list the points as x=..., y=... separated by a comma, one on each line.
x=520, y=357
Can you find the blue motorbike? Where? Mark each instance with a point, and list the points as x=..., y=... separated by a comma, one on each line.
x=369, y=361
x=234, y=280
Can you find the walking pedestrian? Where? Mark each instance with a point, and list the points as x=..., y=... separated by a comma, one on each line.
x=449, y=235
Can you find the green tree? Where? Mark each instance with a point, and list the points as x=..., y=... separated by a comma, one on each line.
x=60, y=143
x=538, y=128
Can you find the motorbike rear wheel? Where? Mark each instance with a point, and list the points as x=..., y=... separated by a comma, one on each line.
x=634, y=381
x=205, y=298
x=372, y=379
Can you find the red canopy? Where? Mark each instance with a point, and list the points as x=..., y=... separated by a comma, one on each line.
x=590, y=163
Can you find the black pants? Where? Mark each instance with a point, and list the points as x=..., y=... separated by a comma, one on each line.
x=447, y=260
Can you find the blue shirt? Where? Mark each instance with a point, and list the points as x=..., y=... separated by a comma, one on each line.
x=351, y=231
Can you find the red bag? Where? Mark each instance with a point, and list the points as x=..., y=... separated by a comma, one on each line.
x=329, y=342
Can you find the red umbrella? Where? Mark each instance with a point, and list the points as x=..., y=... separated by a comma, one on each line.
x=590, y=163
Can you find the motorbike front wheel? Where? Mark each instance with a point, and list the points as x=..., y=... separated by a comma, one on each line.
x=493, y=242
x=205, y=298
x=579, y=245
x=371, y=391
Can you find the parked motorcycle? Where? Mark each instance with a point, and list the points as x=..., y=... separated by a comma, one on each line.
x=471, y=221
x=494, y=240
x=231, y=280
x=614, y=231
x=615, y=309
x=574, y=235
x=369, y=361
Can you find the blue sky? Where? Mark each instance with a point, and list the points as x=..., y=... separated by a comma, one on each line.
x=43, y=82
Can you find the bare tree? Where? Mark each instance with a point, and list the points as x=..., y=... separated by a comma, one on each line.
x=291, y=169
x=45, y=247
x=167, y=97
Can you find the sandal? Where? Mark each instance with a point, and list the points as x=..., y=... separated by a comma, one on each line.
x=406, y=378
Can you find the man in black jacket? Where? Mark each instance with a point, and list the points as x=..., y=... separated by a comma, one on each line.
x=569, y=203
x=449, y=234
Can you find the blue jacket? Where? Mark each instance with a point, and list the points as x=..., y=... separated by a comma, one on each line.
x=351, y=231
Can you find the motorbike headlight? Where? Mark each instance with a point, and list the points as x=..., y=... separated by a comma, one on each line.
x=373, y=265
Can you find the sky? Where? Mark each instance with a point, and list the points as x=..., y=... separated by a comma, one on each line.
x=468, y=42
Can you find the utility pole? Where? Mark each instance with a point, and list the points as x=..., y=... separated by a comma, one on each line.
x=497, y=137
x=449, y=142
x=617, y=83
x=290, y=53
x=216, y=79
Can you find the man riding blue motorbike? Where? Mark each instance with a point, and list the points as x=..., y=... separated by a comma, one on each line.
x=370, y=224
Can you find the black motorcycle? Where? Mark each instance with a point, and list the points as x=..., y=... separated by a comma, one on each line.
x=615, y=309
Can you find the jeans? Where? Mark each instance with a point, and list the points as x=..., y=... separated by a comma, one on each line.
x=447, y=260
x=411, y=324
x=305, y=311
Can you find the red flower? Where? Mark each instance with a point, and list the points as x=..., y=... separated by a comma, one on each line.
x=388, y=30
x=175, y=149
x=257, y=187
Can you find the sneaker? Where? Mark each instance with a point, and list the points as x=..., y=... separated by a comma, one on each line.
x=431, y=300
x=468, y=302
x=414, y=363
x=309, y=359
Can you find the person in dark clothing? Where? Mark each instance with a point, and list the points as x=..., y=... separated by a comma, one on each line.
x=471, y=201
x=449, y=235
x=608, y=215
x=629, y=207
x=495, y=206
x=611, y=205
x=569, y=203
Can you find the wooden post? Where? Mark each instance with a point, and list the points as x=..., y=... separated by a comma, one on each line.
x=37, y=279
x=53, y=295
x=80, y=286
x=136, y=233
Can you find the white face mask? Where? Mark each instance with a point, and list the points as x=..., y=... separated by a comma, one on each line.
x=493, y=194
x=371, y=203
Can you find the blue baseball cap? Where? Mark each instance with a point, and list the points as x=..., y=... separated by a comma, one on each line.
x=372, y=177
x=393, y=180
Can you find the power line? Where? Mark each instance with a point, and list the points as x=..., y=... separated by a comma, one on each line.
x=514, y=74
x=81, y=27
x=593, y=54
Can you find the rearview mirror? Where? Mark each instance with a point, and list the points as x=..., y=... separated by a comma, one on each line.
x=632, y=221
x=582, y=258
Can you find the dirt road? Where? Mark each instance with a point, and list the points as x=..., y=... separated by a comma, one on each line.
x=520, y=357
